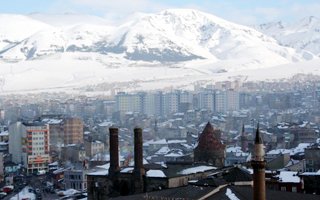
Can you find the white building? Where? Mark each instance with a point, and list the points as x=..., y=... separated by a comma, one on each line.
x=206, y=100
x=152, y=104
x=233, y=100
x=130, y=102
x=227, y=100
x=75, y=179
x=220, y=101
x=170, y=103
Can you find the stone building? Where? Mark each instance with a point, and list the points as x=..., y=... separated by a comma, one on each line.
x=210, y=149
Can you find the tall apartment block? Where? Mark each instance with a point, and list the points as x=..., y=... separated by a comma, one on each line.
x=65, y=130
x=29, y=145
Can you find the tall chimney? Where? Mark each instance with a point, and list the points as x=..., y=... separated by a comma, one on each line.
x=139, y=170
x=114, y=151
x=258, y=164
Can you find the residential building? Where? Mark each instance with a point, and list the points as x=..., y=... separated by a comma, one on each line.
x=73, y=131
x=75, y=179
x=29, y=145
x=93, y=147
x=312, y=156
x=206, y=100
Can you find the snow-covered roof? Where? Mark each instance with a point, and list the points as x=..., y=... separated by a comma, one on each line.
x=105, y=166
x=289, y=177
x=24, y=194
x=52, y=121
x=187, y=146
x=231, y=195
x=163, y=150
x=106, y=124
x=99, y=173
x=54, y=163
x=4, y=133
x=60, y=170
x=233, y=149
x=69, y=192
x=155, y=173
x=236, y=151
x=299, y=149
x=278, y=151
x=174, y=154
x=176, y=141
x=127, y=170
x=311, y=173
x=292, y=162
x=162, y=141
x=197, y=169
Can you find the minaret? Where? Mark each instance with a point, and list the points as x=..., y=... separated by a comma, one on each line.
x=258, y=164
x=156, y=128
x=243, y=140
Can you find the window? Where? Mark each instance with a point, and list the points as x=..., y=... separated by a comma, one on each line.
x=283, y=188
x=310, y=162
x=294, y=189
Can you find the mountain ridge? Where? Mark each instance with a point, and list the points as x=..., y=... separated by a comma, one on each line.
x=303, y=34
x=173, y=35
x=175, y=47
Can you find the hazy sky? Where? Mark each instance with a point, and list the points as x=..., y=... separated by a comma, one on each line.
x=241, y=11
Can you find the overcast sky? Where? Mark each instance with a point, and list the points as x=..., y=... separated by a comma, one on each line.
x=246, y=12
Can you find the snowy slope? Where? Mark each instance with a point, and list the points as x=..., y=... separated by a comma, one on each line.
x=68, y=19
x=15, y=28
x=301, y=35
x=170, y=36
x=65, y=73
x=173, y=48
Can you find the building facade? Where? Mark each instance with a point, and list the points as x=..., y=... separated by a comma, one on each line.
x=29, y=145
x=210, y=149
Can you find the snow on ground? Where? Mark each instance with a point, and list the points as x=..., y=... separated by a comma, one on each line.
x=68, y=74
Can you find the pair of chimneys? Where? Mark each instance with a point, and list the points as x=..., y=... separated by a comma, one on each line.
x=114, y=169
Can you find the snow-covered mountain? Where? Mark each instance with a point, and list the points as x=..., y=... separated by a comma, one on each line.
x=301, y=35
x=169, y=36
x=174, y=47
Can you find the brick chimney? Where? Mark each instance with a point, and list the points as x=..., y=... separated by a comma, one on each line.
x=258, y=164
x=114, y=151
x=139, y=170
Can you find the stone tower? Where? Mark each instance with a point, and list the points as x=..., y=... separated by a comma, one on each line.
x=210, y=149
x=258, y=164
